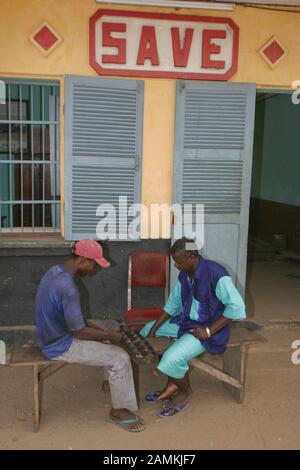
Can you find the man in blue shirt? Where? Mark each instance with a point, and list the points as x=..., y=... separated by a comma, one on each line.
x=197, y=313
x=63, y=335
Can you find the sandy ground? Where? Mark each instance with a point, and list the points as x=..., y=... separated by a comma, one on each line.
x=74, y=408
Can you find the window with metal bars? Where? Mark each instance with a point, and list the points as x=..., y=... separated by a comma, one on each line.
x=29, y=157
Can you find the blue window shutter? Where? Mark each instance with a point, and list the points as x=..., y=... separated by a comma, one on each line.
x=212, y=166
x=103, y=145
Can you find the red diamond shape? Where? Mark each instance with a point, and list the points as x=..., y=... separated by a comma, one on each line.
x=273, y=52
x=45, y=38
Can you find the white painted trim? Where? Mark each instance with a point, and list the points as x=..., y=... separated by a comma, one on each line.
x=173, y=4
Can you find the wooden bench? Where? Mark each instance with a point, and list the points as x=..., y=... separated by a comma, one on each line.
x=42, y=368
x=233, y=373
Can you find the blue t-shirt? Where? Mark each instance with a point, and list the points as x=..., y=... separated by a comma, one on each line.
x=57, y=311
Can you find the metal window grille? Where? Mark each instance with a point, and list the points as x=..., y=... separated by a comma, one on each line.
x=29, y=157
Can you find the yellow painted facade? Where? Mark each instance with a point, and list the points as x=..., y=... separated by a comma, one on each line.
x=70, y=19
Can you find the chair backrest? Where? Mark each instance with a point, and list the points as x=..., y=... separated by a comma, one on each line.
x=148, y=269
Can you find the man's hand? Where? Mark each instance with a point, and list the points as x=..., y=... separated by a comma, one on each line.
x=199, y=332
x=115, y=337
x=151, y=333
x=164, y=316
x=94, y=334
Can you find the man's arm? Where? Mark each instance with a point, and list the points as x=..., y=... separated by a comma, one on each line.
x=228, y=294
x=171, y=308
x=94, y=334
x=164, y=316
x=76, y=324
x=201, y=332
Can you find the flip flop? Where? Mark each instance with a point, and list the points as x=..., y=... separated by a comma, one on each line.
x=152, y=397
x=125, y=423
x=172, y=410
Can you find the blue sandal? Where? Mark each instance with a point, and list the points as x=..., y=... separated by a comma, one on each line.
x=126, y=423
x=172, y=410
x=152, y=397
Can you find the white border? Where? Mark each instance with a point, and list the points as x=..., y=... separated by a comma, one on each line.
x=174, y=4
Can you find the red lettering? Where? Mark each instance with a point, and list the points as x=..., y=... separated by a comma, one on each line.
x=109, y=41
x=181, y=54
x=148, y=46
x=209, y=48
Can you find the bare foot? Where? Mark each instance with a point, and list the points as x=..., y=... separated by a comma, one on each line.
x=105, y=386
x=168, y=392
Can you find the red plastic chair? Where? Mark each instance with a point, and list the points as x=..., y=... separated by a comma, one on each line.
x=146, y=270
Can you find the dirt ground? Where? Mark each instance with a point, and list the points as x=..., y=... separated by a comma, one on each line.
x=74, y=408
x=272, y=291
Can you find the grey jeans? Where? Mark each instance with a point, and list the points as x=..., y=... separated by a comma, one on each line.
x=116, y=363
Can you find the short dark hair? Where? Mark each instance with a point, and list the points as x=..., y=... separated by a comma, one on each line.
x=183, y=245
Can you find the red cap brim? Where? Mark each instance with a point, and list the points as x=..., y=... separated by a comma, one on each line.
x=102, y=262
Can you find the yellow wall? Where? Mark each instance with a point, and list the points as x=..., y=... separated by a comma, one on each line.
x=19, y=57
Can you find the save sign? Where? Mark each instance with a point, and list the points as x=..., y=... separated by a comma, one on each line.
x=125, y=43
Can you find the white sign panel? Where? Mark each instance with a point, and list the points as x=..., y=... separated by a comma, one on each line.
x=127, y=43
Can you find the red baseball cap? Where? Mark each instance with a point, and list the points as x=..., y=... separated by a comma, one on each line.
x=90, y=249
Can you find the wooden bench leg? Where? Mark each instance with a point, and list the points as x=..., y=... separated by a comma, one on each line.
x=136, y=380
x=234, y=364
x=40, y=374
x=37, y=397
